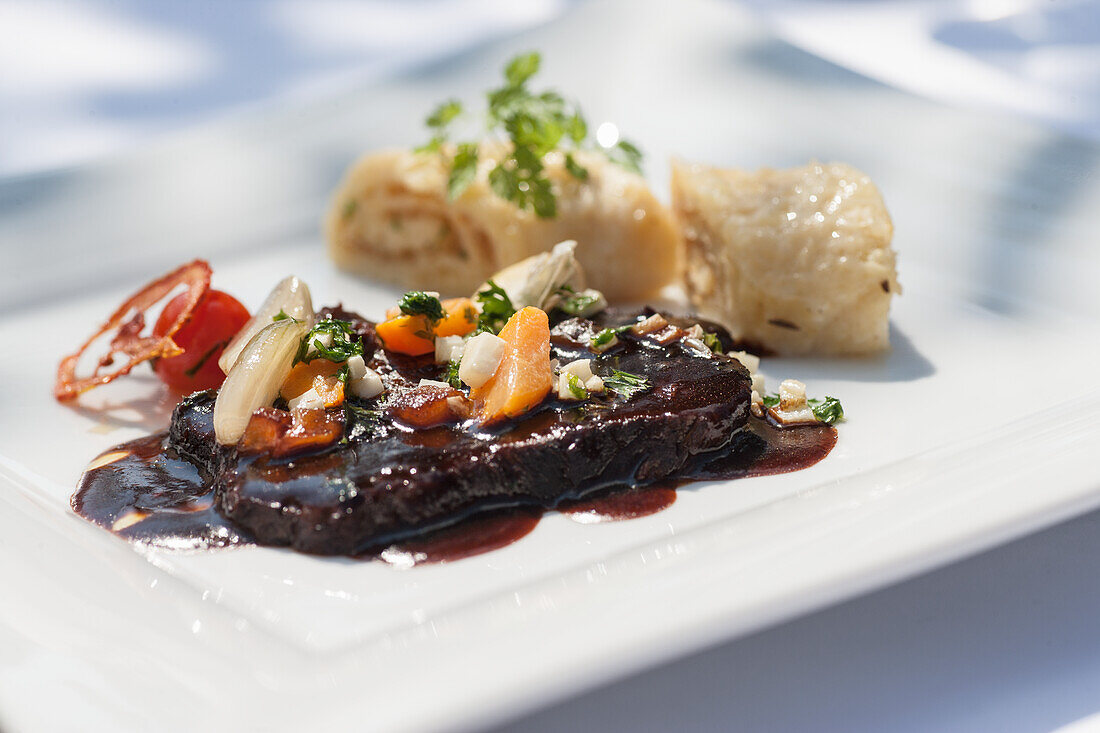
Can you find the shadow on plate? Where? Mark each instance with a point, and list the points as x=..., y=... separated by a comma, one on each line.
x=903, y=363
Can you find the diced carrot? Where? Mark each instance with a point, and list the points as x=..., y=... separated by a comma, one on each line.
x=524, y=376
x=310, y=430
x=331, y=390
x=410, y=335
x=461, y=318
x=281, y=433
x=319, y=374
x=428, y=406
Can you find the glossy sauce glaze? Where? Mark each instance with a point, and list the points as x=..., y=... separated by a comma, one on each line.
x=145, y=493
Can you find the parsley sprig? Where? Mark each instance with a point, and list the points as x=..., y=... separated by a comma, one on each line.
x=419, y=303
x=535, y=123
x=345, y=342
x=496, y=308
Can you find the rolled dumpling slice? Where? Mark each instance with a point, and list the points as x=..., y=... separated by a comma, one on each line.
x=391, y=220
x=796, y=261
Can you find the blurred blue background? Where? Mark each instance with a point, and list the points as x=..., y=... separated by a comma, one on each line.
x=80, y=79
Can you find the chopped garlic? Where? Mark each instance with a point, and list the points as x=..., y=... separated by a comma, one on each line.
x=749, y=361
x=363, y=382
x=480, y=359
x=433, y=383
x=696, y=332
x=758, y=383
x=756, y=404
x=698, y=346
x=448, y=348
x=792, y=407
x=308, y=400
x=582, y=370
x=581, y=367
x=357, y=367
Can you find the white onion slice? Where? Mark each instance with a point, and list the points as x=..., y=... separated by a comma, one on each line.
x=254, y=380
x=291, y=296
x=537, y=279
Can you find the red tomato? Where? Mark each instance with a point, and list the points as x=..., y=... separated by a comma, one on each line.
x=216, y=319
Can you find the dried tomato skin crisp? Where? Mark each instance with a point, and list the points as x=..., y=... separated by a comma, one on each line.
x=128, y=340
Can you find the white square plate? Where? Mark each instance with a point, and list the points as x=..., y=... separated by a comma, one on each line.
x=979, y=426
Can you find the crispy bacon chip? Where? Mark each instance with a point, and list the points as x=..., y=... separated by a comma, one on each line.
x=128, y=322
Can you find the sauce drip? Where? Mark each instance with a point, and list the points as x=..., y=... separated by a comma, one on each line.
x=143, y=492
x=478, y=534
x=620, y=504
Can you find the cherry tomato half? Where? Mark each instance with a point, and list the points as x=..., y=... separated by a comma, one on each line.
x=216, y=319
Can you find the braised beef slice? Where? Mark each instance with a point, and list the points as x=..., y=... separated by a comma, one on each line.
x=386, y=482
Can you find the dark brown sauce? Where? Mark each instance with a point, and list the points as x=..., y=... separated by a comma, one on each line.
x=144, y=493
x=620, y=504
x=476, y=535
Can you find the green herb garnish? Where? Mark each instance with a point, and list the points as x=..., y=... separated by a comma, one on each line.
x=627, y=155
x=463, y=170
x=535, y=124
x=575, y=387
x=419, y=303
x=625, y=383
x=578, y=302
x=360, y=421
x=713, y=342
x=607, y=336
x=496, y=308
x=281, y=316
x=451, y=375
x=828, y=410
x=345, y=342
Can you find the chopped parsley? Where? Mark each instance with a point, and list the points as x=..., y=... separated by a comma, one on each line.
x=625, y=383
x=451, y=375
x=360, y=421
x=281, y=316
x=578, y=303
x=607, y=336
x=575, y=387
x=828, y=410
x=419, y=303
x=496, y=308
x=463, y=170
x=535, y=123
x=345, y=342
x=713, y=342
